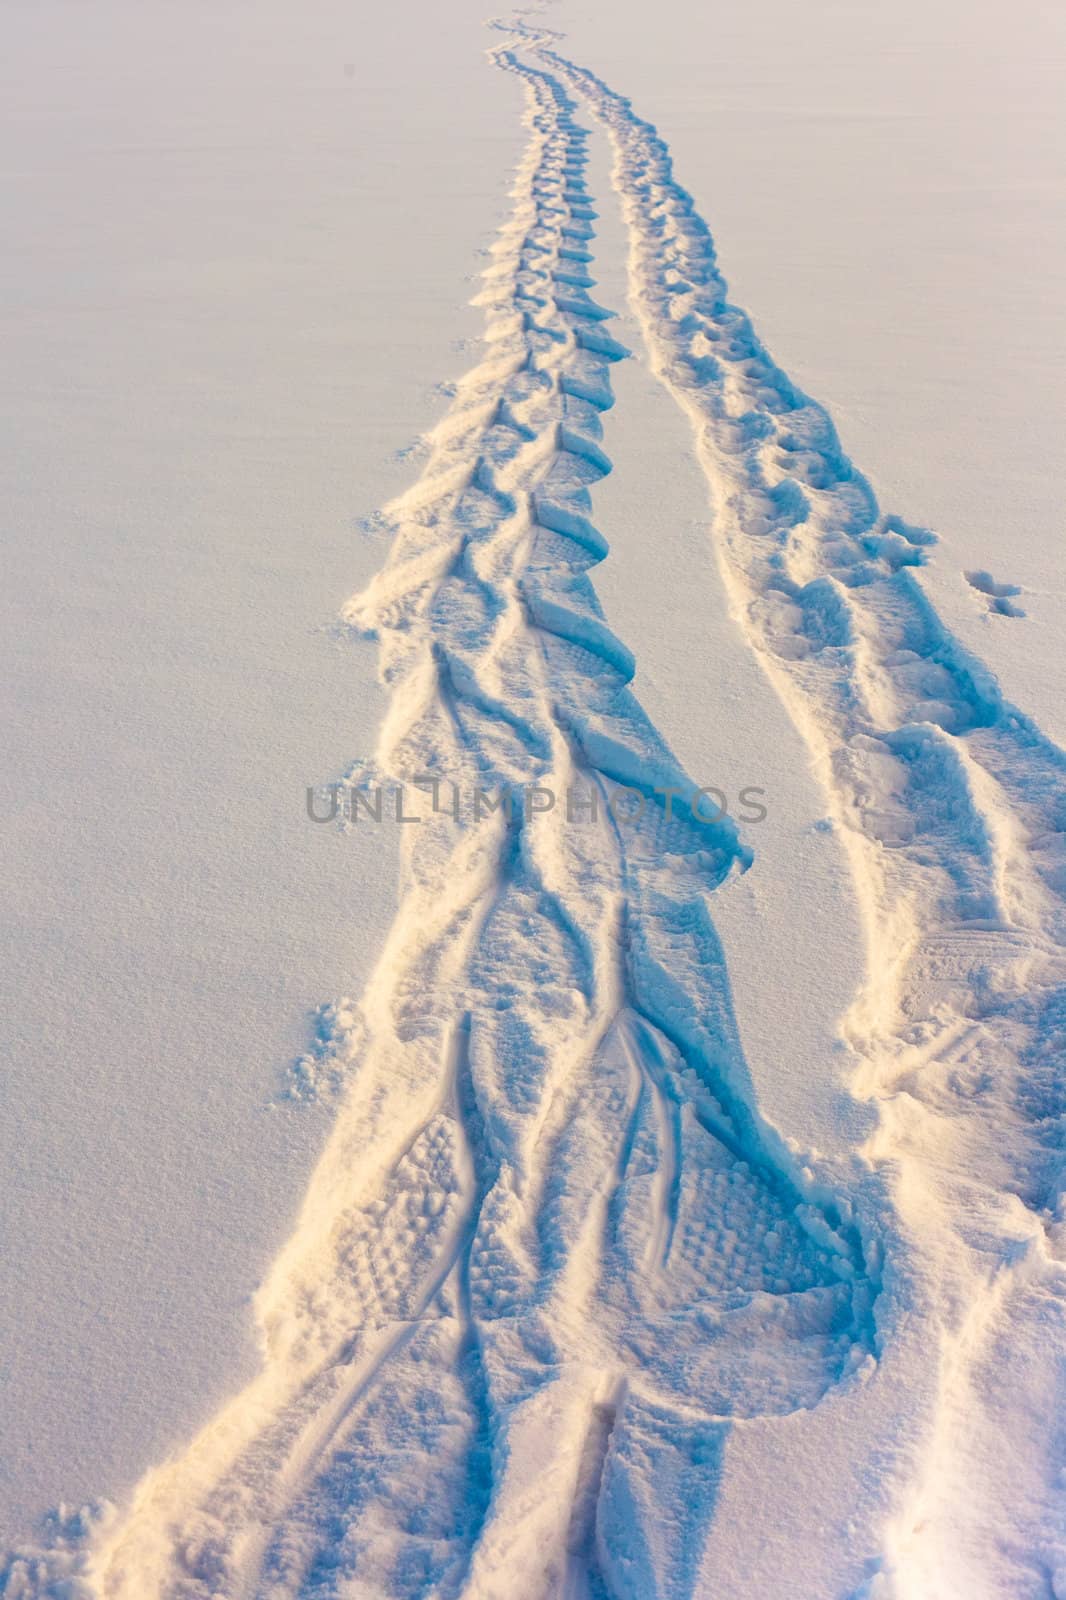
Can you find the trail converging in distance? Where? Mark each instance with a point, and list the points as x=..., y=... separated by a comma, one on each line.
x=555, y=1267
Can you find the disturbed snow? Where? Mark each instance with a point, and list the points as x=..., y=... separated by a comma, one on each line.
x=563, y=1313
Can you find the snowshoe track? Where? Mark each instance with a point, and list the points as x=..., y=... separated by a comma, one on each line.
x=552, y=1254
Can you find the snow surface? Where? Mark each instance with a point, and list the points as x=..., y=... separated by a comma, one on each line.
x=220, y=327
x=681, y=1166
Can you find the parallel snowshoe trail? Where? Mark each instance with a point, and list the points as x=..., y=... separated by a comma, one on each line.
x=551, y=1250
x=952, y=806
x=552, y=1255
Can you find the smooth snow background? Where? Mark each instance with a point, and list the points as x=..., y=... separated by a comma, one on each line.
x=237, y=272
x=234, y=273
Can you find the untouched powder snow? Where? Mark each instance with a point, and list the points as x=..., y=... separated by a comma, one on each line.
x=219, y=330
x=630, y=1269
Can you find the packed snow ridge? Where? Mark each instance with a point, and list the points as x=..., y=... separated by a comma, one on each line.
x=553, y=1262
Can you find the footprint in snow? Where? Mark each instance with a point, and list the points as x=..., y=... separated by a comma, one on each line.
x=999, y=595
